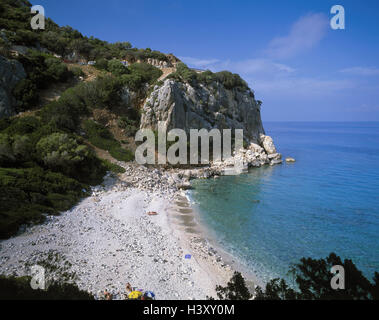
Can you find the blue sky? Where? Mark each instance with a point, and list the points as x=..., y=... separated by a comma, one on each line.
x=286, y=50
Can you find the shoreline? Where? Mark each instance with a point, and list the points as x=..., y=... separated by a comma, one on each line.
x=251, y=276
x=108, y=240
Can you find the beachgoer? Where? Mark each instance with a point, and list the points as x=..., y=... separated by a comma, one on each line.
x=107, y=295
x=128, y=287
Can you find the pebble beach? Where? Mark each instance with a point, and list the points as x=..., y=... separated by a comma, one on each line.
x=108, y=240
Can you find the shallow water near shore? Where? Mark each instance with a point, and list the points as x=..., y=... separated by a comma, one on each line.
x=327, y=201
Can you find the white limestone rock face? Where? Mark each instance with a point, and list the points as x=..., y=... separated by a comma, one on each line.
x=268, y=144
x=179, y=105
x=11, y=72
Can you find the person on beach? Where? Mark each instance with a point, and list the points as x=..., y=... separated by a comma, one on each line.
x=107, y=295
x=128, y=287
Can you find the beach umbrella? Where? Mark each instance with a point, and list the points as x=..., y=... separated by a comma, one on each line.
x=135, y=295
x=149, y=295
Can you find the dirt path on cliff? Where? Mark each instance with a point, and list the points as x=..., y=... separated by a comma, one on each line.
x=166, y=73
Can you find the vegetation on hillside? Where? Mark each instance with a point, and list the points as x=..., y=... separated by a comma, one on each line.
x=43, y=171
x=42, y=70
x=313, y=282
x=102, y=138
x=47, y=162
x=135, y=76
x=15, y=19
x=227, y=79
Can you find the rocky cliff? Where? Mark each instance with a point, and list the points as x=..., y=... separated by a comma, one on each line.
x=11, y=72
x=181, y=105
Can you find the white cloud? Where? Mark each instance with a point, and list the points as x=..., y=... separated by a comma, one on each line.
x=195, y=62
x=244, y=67
x=305, y=33
x=259, y=66
x=270, y=78
x=362, y=71
x=305, y=87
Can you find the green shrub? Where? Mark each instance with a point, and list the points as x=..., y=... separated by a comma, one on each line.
x=148, y=72
x=42, y=70
x=56, y=70
x=102, y=138
x=26, y=94
x=15, y=149
x=133, y=81
x=108, y=92
x=77, y=72
x=121, y=154
x=27, y=194
x=63, y=116
x=60, y=152
x=21, y=126
x=113, y=167
x=65, y=154
x=140, y=73
x=101, y=64
x=231, y=80
x=130, y=126
x=117, y=68
x=74, y=103
x=227, y=79
x=313, y=279
x=235, y=289
x=6, y=153
x=183, y=73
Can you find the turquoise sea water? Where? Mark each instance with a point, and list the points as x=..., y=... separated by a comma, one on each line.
x=327, y=201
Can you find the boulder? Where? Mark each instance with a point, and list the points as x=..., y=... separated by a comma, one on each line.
x=275, y=156
x=289, y=159
x=268, y=144
x=274, y=162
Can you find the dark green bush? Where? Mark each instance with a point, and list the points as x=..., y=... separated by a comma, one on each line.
x=24, y=125
x=313, y=278
x=183, y=73
x=140, y=74
x=77, y=72
x=130, y=126
x=235, y=289
x=101, y=64
x=227, y=79
x=113, y=167
x=62, y=153
x=26, y=94
x=117, y=68
x=231, y=80
x=42, y=70
x=27, y=194
x=102, y=138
